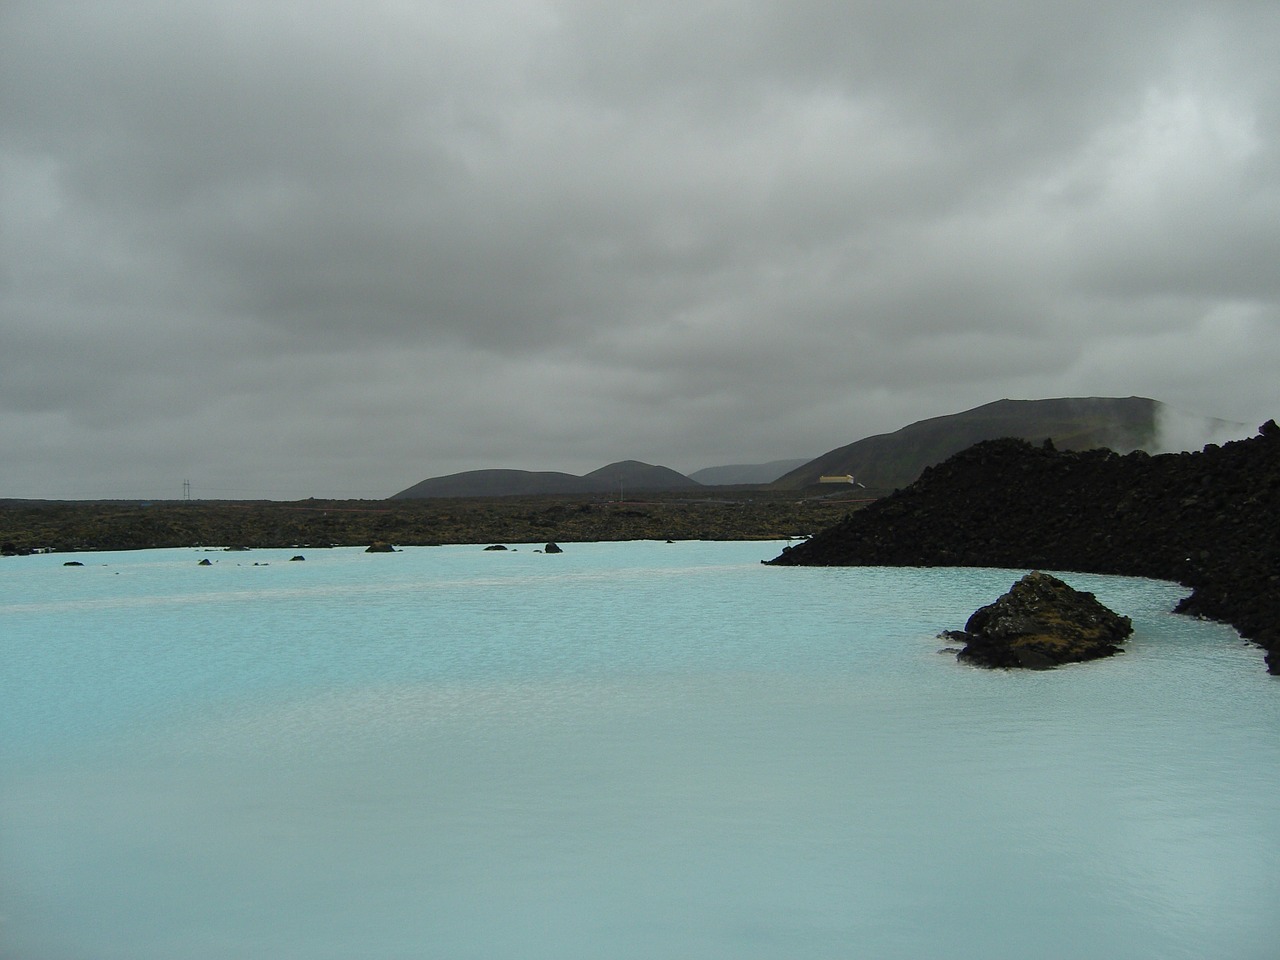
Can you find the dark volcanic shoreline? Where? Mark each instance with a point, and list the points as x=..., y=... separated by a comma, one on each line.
x=1208, y=520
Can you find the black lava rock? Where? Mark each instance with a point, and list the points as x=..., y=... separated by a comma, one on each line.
x=1041, y=623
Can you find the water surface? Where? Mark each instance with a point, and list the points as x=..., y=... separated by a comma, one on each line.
x=626, y=750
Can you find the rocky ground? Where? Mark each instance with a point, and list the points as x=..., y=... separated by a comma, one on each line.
x=1209, y=520
x=729, y=514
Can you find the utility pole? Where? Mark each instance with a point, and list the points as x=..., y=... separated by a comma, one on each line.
x=186, y=489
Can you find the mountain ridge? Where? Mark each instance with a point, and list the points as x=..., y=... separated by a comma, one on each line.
x=618, y=477
x=746, y=473
x=882, y=462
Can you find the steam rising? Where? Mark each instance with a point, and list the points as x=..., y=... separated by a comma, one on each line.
x=1177, y=431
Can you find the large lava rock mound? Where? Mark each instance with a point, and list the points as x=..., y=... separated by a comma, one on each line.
x=1209, y=520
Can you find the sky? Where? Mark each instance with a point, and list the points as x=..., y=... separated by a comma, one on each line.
x=282, y=249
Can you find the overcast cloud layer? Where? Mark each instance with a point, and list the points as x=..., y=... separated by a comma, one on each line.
x=329, y=249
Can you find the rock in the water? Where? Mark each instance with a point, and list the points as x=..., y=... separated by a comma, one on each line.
x=380, y=546
x=298, y=557
x=551, y=548
x=496, y=546
x=1041, y=623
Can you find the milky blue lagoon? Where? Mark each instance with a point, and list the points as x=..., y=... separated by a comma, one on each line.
x=633, y=750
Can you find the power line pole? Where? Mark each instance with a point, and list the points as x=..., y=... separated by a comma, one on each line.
x=186, y=489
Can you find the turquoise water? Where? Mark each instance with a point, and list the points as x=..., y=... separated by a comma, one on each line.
x=626, y=750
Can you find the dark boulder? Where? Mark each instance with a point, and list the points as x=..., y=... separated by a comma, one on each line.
x=551, y=548
x=73, y=563
x=380, y=546
x=206, y=562
x=496, y=546
x=299, y=557
x=1039, y=624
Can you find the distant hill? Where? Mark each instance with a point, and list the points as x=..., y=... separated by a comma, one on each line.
x=494, y=483
x=892, y=460
x=623, y=477
x=745, y=473
x=636, y=476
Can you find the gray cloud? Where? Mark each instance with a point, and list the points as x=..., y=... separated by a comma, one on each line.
x=331, y=250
